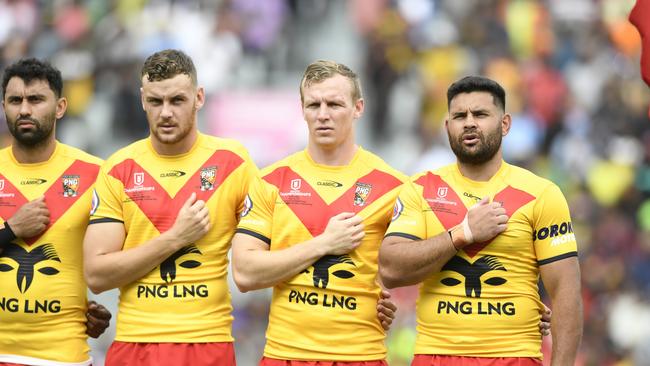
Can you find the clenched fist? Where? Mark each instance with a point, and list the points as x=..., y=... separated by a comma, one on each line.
x=30, y=219
x=343, y=233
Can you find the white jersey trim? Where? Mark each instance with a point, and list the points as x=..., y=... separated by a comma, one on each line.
x=40, y=362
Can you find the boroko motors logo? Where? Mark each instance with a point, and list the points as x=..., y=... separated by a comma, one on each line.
x=321, y=278
x=25, y=264
x=485, y=270
x=168, y=274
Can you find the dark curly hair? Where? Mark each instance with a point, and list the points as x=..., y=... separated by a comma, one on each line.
x=29, y=69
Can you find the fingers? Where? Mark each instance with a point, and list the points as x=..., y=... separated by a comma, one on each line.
x=190, y=201
x=97, y=319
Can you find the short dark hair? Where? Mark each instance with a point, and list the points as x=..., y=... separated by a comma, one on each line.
x=470, y=84
x=29, y=69
x=166, y=64
x=321, y=70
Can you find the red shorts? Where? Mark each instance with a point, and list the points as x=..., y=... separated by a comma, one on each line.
x=436, y=360
x=274, y=362
x=170, y=354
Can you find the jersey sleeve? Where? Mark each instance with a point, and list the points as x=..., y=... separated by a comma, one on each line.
x=256, y=219
x=248, y=173
x=107, y=198
x=553, y=235
x=408, y=219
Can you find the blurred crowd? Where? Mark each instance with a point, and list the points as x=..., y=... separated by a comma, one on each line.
x=570, y=69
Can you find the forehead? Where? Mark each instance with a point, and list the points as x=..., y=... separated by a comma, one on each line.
x=180, y=83
x=17, y=86
x=333, y=87
x=472, y=101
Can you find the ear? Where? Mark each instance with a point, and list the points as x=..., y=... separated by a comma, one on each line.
x=142, y=99
x=359, y=106
x=61, y=107
x=200, y=98
x=506, y=123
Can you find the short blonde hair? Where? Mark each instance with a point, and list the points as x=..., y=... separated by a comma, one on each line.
x=321, y=70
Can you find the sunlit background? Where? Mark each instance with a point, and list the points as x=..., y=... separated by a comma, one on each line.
x=570, y=68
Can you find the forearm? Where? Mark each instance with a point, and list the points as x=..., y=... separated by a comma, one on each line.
x=566, y=328
x=105, y=271
x=404, y=262
x=256, y=269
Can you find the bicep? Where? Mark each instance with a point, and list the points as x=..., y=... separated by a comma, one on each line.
x=242, y=244
x=103, y=238
x=561, y=276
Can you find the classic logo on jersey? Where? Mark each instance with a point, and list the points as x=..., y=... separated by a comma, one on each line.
x=26, y=262
x=329, y=183
x=397, y=210
x=474, y=197
x=208, y=177
x=248, y=206
x=32, y=181
x=172, y=174
x=70, y=185
x=562, y=233
x=361, y=193
x=321, y=275
x=168, y=266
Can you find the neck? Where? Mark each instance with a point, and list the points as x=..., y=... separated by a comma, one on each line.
x=177, y=148
x=338, y=156
x=33, y=154
x=481, y=172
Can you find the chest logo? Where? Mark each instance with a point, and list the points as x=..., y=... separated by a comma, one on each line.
x=208, y=177
x=321, y=275
x=70, y=185
x=27, y=261
x=472, y=273
x=361, y=193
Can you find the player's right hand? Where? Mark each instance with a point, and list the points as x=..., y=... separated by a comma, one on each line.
x=486, y=220
x=192, y=222
x=343, y=233
x=30, y=219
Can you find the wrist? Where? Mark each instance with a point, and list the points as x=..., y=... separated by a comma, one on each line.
x=6, y=234
x=461, y=236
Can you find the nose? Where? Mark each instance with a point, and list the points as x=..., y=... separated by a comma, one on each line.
x=470, y=122
x=166, y=111
x=323, y=112
x=25, y=108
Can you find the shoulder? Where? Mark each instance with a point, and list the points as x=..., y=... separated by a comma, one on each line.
x=525, y=180
x=220, y=143
x=288, y=162
x=370, y=159
x=78, y=154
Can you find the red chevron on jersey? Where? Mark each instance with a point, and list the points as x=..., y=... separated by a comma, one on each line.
x=204, y=182
x=443, y=200
x=450, y=211
x=10, y=198
x=59, y=198
x=310, y=208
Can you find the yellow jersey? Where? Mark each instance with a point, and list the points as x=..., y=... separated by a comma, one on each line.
x=186, y=298
x=329, y=311
x=484, y=302
x=43, y=293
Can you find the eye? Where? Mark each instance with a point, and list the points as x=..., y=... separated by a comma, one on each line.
x=450, y=281
x=496, y=281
